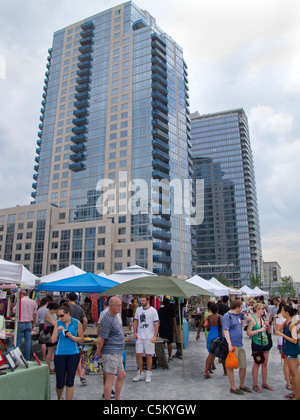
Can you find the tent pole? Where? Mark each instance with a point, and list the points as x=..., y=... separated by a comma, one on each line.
x=181, y=335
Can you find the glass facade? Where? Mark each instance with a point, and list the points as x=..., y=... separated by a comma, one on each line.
x=114, y=127
x=228, y=242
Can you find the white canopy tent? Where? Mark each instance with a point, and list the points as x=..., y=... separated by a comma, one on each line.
x=230, y=290
x=249, y=292
x=129, y=273
x=13, y=273
x=259, y=292
x=206, y=285
x=64, y=273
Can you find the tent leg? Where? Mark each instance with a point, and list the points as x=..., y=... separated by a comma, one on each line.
x=181, y=335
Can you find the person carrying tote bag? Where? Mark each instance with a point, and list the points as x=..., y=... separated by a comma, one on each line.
x=257, y=330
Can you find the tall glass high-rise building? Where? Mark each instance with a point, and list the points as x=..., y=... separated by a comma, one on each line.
x=228, y=242
x=114, y=146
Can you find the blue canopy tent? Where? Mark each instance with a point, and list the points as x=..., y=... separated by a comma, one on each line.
x=84, y=283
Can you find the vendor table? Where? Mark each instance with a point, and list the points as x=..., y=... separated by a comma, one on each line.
x=26, y=384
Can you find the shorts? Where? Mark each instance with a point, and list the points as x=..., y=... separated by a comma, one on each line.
x=143, y=346
x=112, y=363
x=176, y=334
x=241, y=356
x=167, y=335
x=65, y=369
x=257, y=347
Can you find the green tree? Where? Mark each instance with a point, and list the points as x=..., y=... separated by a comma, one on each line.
x=287, y=288
x=256, y=281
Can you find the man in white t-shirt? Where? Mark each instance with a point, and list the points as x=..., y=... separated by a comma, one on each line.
x=145, y=327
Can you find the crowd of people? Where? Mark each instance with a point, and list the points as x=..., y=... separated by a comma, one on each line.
x=64, y=324
x=262, y=321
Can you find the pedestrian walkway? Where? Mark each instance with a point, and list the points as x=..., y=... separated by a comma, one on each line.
x=170, y=384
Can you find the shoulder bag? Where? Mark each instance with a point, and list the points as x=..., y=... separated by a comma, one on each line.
x=219, y=345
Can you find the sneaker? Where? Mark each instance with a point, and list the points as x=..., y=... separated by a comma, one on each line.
x=83, y=381
x=112, y=395
x=148, y=377
x=139, y=377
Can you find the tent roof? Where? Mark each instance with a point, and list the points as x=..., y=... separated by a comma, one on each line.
x=206, y=285
x=249, y=292
x=231, y=290
x=65, y=273
x=85, y=283
x=130, y=273
x=16, y=273
x=259, y=292
x=158, y=285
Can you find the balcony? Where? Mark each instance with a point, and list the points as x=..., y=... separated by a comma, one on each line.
x=156, y=77
x=40, y=134
x=87, y=25
x=87, y=33
x=159, y=45
x=157, y=61
x=160, y=145
x=157, y=86
x=34, y=185
x=77, y=148
x=156, y=52
x=87, y=48
x=162, y=258
x=81, y=104
x=80, y=121
x=81, y=96
x=161, y=234
x=159, y=105
x=160, y=175
x=79, y=130
x=159, y=154
x=83, y=88
x=159, y=134
x=37, y=159
x=86, y=41
x=161, y=222
x=84, y=72
x=76, y=167
x=162, y=246
x=81, y=113
x=35, y=176
x=139, y=24
x=158, y=70
x=162, y=271
x=160, y=115
x=162, y=126
x=81, y=138
x=33, y=194
x=77, y=157
x=161, y=166
x=85, y=57
x=38, y=150
x=39, y=142
x=82, y=80
x=84, y=64
x=36, y=168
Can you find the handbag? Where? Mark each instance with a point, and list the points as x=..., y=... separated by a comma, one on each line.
x=45, y=336
x=219, y=345
x=231, y=361
x=259, y=356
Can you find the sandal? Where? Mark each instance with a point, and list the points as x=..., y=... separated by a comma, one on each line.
x=207, y=376
x=290, y=396
x=256, y=389
x=266, y=386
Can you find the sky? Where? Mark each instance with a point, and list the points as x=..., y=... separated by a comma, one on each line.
x=240, y=54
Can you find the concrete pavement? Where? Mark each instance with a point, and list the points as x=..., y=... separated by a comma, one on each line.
x=170, y=384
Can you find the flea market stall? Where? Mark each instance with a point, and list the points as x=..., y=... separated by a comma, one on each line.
x=160, y=285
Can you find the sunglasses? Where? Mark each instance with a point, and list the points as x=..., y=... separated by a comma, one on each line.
x=61, y=316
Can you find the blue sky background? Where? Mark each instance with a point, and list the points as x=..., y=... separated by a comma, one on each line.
x=240, y=54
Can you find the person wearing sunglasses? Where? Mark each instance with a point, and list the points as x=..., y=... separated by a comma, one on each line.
x=68, y=332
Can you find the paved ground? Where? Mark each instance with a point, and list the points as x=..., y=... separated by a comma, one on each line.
x=170, y=384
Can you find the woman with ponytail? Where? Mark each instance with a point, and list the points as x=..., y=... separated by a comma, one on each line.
x=290, y=348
